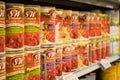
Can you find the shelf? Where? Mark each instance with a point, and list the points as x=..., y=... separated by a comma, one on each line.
x=91, y=68
x=73, y=4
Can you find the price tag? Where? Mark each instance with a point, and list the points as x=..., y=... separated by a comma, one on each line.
x=70, y=76
x=105, y=64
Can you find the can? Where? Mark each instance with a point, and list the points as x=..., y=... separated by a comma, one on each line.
x=66, y=59
x=2, y=28
x=32, y=25
x=58, y=59
x=59, y=27
x=48, y=18
x=74, y=56
x=48, y=64
x=83, y=55
x=66, y=25
x=15, y=41
x=15, y=66
x=74, y=26
x=84, y=20
x=2, y=67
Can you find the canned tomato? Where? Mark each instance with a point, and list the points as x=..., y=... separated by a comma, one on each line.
x=59, y=27
x=84, y=19
x=48, y=64
x=103, y=49
x=92, y=25
x=2, y=67
x=15, y=66
x=32, y=62
x=66, y=25
x=32, y=25
x=108, y=46
x=2, y=27
x=2, y=14
x=98, y=49
x=93, y=51
x=74, y=56
x=83, y=54
x=74, y=26
x=48, y=18
x=58, y=59
x=14, y=26
x=98, y=25
x=66, y=59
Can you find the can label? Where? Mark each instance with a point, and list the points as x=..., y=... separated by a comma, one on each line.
x=2, y=67
x=32, y=26
x=74, y=26
x=58, y=60
x=2, y=14
x=32, y=61
x=66, y=64
x=15, y=67
x=14, y=27
x=74, y=56
x=2, y=40
x=48, y=27
x=48, y=73
x=59, y=27
x=2, y=28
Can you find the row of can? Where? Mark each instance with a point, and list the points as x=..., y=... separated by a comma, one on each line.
x=69, y=40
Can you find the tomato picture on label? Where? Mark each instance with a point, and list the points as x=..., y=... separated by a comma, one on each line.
x=32, y=39
x=48, y=24
x=2, y=44
x=15, y=41
x=51, y=36
x=74, y=33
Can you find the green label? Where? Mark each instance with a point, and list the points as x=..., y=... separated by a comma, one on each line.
x=16, y=77
x=2, y=31
x=34, y=72
x=32, y=29
x=14, y=30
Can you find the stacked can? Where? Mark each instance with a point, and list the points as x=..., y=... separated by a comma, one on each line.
x=58, y=40
x=66, y=25
x=48, y=24
x=92, y=35
x=2, y=41
x=98, y=37
x=74, y=26
x=83, y=44
x=32, y=42
x=14, y=41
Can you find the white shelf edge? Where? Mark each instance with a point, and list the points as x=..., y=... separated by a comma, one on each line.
x=91, y=68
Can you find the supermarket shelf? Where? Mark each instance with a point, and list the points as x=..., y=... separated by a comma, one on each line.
x=91, y=68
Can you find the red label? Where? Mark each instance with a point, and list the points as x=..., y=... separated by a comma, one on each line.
x=2, y=68
x=49, y=53
x=14, y=13
x=15, y=63
x=32, y=59
x=30, y=13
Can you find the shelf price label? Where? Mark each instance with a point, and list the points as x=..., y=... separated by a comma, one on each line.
x=105, y=64
x=70, y=76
